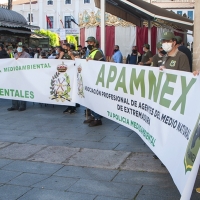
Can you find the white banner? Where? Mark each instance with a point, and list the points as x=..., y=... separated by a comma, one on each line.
x=162, y=107
x=37, y=80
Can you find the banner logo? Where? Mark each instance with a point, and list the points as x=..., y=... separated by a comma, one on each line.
x=80, y=82
x=192, y=148
x=60, y=85
x=172, y=63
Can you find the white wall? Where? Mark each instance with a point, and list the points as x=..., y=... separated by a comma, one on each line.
x=41, y=9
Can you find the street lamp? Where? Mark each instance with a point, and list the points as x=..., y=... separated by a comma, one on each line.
x=30, y=18
x=9, y=4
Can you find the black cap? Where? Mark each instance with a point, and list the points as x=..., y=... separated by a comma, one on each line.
x=90, y=39
x=147, y=46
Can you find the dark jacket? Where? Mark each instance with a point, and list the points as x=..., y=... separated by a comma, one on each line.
x=187, y=52
x=3, y=54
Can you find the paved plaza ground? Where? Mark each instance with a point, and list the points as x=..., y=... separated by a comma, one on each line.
x=48, y=155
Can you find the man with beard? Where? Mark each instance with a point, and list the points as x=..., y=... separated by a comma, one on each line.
x=3, y=53
x=134, y=58
x=95, y=54
x=117, y=56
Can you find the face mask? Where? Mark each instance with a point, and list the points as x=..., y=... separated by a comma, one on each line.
x=163, y=52
x=19, y=49
x=115, y=50
x=90, y=47
x=134, y=51
x=167, y=47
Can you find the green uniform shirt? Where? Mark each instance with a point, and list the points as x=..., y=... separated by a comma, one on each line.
x=66, y=56
x=156, y=61
x=98, y=55
x=177, y=62
x=146, y=56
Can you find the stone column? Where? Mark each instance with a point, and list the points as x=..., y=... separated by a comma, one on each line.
x=42, y=18
x=196, y=41
x=103, y=28
x=57, y=13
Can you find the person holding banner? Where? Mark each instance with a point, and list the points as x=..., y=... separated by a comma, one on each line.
x=68, y=55
x=95, y=54
x=19, y=105
x=157, y=59
x=174, y=59
x=147, y=56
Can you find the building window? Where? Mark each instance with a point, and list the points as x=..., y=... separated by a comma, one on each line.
x=49, y=22
x=67, y=1
x=86, y=1
x=68, y=23
x=50, y=2
x=180, y=13
x=30, y=20
x=190, y=15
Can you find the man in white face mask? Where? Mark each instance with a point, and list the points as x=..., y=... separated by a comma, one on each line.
x=19, y=105
x=174, y=59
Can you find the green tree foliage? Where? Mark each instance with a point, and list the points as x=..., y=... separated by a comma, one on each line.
x=72, y=40
x=53, y=37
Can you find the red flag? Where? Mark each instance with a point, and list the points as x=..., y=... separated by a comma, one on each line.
x=49, y=21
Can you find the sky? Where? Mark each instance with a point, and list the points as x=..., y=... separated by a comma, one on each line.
x=5, y=1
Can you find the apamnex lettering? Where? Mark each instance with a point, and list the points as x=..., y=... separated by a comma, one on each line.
x=156, y=91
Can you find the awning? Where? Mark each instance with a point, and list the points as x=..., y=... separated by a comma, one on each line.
x=136, y=11
x=38, y=36
x=10, y=18
x=15, y=30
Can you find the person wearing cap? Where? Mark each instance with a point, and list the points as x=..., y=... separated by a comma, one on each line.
x=174, y=58
x=95, y=54
x=147, y=56
x=3, y=53
x=10, y=51
x=157, y=59
x=184, y=49
x=134, y=58
x=19, y=105
x=117, y=56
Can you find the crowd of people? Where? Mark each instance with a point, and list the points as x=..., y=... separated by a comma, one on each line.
x=171, y=54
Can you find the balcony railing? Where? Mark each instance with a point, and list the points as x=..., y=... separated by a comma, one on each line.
x=4, y=6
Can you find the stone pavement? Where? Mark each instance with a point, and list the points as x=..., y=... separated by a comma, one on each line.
x=48, y=155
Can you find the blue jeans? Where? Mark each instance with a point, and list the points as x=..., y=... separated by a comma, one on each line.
x=95, y=115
